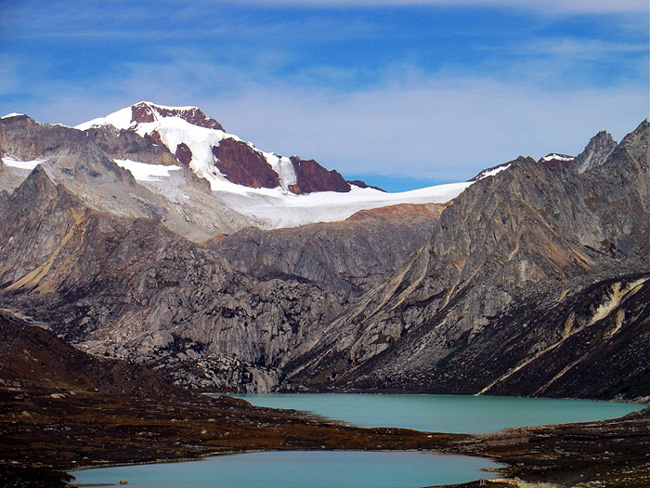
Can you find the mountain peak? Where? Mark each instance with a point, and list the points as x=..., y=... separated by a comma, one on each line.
x=150, y=112
x=595, y=153
x=146, y=112
x=200, y=143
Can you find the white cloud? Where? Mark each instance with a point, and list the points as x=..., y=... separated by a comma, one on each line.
x=409, y=123
x=444, y=130
x=567, y=6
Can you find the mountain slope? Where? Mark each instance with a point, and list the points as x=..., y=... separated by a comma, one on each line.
x=181, y=201
x=274, y=191
x=497, y=289
x=530, y=277
x=219, y=316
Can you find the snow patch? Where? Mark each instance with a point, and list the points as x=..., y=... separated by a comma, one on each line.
x=557, y=157
x=120, y=119
x=283, y=167
x=494, y=171
x=28, y=165
x=13, y=114
x=145, y=171
x=275, y=208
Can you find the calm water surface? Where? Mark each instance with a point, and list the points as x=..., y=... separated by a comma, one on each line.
x=443, y=413
x=436, y=413
x=342, y=469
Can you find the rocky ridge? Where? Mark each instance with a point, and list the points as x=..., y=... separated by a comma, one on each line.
x=529, y=278
x=225, y=315
x=84, y=163
x=523, y=267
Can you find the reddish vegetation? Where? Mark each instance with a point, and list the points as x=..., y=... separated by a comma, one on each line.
x=312, y=177
x=183, y=154
x=243, y=165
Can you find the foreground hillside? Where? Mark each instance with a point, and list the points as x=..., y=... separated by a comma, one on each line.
x=61, y=409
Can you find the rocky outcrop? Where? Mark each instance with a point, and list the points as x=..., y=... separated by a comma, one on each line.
x=595, y=154
x=362, y=184
x=124, y=144
x=183, y=154
x=311, y=177
x=33, y=357
x=243, y=165
x=147, y=112
x=491, y=171
x=83, y=163
x=433, y=210
x=347, y=257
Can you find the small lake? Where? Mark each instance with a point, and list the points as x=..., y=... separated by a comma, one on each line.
x=343, y=469
x=442, y=413
x=338, y=469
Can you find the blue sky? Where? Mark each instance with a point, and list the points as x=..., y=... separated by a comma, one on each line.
x=399, y=93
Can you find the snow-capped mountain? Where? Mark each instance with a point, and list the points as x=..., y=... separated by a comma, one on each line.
x=272, y=190
x=223, y=159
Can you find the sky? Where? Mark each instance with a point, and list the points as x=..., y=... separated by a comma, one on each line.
x=400, y=93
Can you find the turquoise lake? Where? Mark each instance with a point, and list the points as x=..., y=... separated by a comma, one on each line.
x=341, y=469
x=345, y=469
x=442, y=413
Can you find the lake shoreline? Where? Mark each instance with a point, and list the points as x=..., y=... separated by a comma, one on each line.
x=44, y=440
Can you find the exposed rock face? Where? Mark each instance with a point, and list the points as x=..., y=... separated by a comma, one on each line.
x=83, y=162
x=346, y=257
x=491, y=171
x=226, y=317
x=530, y=268
x=595, y=154
x=399, y=211
x=33, y=357
x=183, y=154
x=312, y=177
x=124, y=144
x=362, y=184
x=182, y=131
x=148, y=112
x=529, y=279
x=243, y=165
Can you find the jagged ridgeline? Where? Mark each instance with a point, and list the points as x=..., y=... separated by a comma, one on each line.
x=534, y=280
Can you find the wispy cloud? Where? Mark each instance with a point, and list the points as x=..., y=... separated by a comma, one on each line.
x=430, y=93
x=436, y=129
x=573, y=6
x=444, y=130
